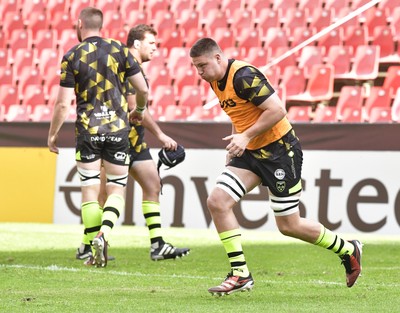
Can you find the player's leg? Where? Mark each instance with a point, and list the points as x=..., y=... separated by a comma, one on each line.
x=144, y=171
x=91, y=211
x=231, y=186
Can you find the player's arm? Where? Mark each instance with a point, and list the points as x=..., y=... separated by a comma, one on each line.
x=261, y=95
x=138, y=82
x=62, y=107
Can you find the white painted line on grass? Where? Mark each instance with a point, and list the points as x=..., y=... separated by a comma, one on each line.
x=123, y=273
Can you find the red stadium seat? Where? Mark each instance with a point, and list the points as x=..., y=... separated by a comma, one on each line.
x=7, y=6
x=392, y=79
x=5, y=57
x=213, y=19
x=67, y=39
x=290, y=60
x=163, y=21
x=108, y=5
x=171, y=38
x=324, y=114
x=3, y=39
x=384, y=37
x=41, y=113
x=258, y=5
x=341, y=58
x=132, y=6
x=54, y=6
x=352, y=115
x=310, y=4
x=225, y=37
x=333, y=38
x=178, y=57
x=157, y=77
x=189, y=20
x=20, y=39
x=310, y=56
x=8, y=95
x=355, y=4
x=319, y=86
x=356, y=36
x=321, y=18
x=155, y=6
x=7, y=75
x=173, y=112
x=18, y=113
x=12, y=21
x=294, y=17
x=112, y=20
x=283, y=4
x=77, y=6
x=28, y=76
x=388, y=5
x=396, y=107
x=192, y=35
x=299, y=113
x=349, y=97
x=37, y=21
x=185, y=76
x=207, y=5
x=300, y=34
x=34, y=95
x=30, y=7
x=276, y=37
x=45, y=39
x=293, y=80
x=380, y=115
x=242, y=19
x=232, y=5
x=365, y=64
x=268, y=18
x=60, y=21
x=249, y=38
x=24, y=58
x=374, y=17
x=191, y=97
x=181, y=5
x=162, y=97
x=258, y=56
x=378, y=97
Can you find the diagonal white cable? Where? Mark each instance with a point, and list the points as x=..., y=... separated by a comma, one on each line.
x=301, y=45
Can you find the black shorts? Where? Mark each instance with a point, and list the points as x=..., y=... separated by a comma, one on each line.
x=113, y=147
x=141, y=153
x=278, y=164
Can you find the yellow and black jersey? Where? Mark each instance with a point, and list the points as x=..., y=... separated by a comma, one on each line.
x=98, y=69
x=240, y=92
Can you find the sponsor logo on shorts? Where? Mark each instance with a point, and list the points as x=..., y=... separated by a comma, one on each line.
x=120, y=156
x=280, y=186
x=280, y=173
x=104, y=138
x=88, y=157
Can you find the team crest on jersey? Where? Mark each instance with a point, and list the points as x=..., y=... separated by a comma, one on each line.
x=280, y=186
x=280, y=174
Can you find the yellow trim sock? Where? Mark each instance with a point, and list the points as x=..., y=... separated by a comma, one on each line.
x=113, y=207
x=91, y=216
x=333, y=242
x=232, y=242
x=151, y=213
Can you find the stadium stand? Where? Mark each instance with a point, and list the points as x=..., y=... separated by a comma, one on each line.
x=364, y=49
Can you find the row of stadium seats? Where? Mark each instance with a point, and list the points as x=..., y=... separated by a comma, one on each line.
x=355, y=104
x=35, y=34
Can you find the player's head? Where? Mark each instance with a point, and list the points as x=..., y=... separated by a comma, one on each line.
x=90, y=20
x=142, y=39
x=208, y=59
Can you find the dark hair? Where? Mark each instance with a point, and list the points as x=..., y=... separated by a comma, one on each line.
x=138, y=32
x=204, y=46
x=92, y=18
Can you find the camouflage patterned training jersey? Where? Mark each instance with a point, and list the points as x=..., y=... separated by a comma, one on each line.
x=240, y=92
x=98, y=68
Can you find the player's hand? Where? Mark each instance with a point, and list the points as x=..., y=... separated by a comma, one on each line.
x=51, y=143
x=168, y=142
x=135, y=117
x=237, y=145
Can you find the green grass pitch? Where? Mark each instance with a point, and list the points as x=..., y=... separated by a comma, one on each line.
x=39, y=273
